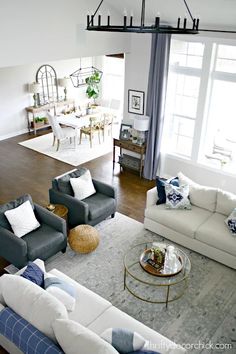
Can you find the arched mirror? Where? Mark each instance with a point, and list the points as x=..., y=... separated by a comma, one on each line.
x=46, y=76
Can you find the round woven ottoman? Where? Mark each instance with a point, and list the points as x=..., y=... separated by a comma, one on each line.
x=83, y=239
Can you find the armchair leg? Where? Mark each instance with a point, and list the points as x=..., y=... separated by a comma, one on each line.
x=63, y=250
x=58, y=144
x=112, y=216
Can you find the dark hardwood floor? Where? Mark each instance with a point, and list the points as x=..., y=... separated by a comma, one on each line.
x=26, y=171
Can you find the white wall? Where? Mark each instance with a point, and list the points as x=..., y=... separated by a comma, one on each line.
x=14, y=96
x=35, y=31
x=137, y=63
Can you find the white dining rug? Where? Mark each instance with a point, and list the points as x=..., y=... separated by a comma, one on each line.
x=67, y=152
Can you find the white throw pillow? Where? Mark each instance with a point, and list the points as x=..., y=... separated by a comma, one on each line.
x=201, y=196
x=22, y=219
x=177, y=197
x=32, y=303
x=74, y=338
x=83, y=186
x=226, y=202
x=123, y=340
x=61, y=289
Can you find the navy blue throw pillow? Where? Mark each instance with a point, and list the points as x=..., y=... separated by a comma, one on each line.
x=34, y=274
x=143, y=351
x=160, y=183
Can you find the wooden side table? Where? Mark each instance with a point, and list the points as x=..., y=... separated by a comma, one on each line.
x=128, y=145
x=61, y=211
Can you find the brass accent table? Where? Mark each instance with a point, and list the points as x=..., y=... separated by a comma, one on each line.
x=151, y=288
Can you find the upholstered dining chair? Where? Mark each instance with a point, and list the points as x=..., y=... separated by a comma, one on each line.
x=94, y=127
x=61, y=133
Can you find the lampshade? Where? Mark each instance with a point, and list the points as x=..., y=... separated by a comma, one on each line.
x=64, y=82
x=141, y=123
x=35, y=87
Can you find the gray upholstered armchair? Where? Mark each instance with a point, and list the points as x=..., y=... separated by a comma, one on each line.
x=45, y=241
x=91, y=210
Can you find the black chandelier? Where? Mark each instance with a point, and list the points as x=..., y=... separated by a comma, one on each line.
x=181, y=27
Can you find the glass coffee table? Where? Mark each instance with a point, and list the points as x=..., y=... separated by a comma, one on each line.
x=156, y=285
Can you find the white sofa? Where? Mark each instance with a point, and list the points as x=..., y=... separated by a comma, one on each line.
x=97, y=314
x=202, y=228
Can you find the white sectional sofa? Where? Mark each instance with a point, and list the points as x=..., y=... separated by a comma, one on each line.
x=202, y=228
x=97, y=314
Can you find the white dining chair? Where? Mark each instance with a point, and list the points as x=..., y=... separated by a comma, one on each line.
x=61, y=133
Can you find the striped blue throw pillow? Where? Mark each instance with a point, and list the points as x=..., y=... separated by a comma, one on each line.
x=61, y=289
x=123, y=340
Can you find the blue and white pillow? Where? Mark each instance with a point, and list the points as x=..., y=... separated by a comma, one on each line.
x=160, y=183
x=177, y=197
x=62, y=290
x=231, y=222
x=123, y=340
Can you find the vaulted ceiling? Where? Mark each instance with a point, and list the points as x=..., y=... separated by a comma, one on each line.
x=213, y=13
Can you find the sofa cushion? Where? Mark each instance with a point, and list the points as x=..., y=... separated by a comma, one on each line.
x=85, y=299
x=99, y=204
x=63, y=182
x=12, y=205
x=32, y=303
x=113, y=317
x=201, y=196
x=25, y=336
x=214, y=232
x=182, y=221
x=226, y=202
x=74, y=339
x=42, y=242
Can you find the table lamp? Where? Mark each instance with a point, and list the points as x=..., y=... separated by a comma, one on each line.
x=141, y=124
x=64, y=82
x=35, y=88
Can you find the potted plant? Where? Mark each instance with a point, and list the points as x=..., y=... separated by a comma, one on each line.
x=93, y=85
x=39, y=122
x=158, y=256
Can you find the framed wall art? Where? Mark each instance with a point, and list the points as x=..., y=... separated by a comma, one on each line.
x=125, y=131
x=136, y=102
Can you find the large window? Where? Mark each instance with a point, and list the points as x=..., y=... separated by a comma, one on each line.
x=113, y=81
x=201, y=103
x=183, y=91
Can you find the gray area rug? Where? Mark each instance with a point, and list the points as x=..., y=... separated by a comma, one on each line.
x=205, y=314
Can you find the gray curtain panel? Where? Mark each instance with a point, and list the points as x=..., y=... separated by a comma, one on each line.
x=156, y=95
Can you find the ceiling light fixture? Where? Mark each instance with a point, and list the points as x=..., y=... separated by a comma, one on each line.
x=182, y=27
x=128, y=24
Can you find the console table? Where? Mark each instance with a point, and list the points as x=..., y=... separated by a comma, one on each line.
x=33, y=111
x=128, y=145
